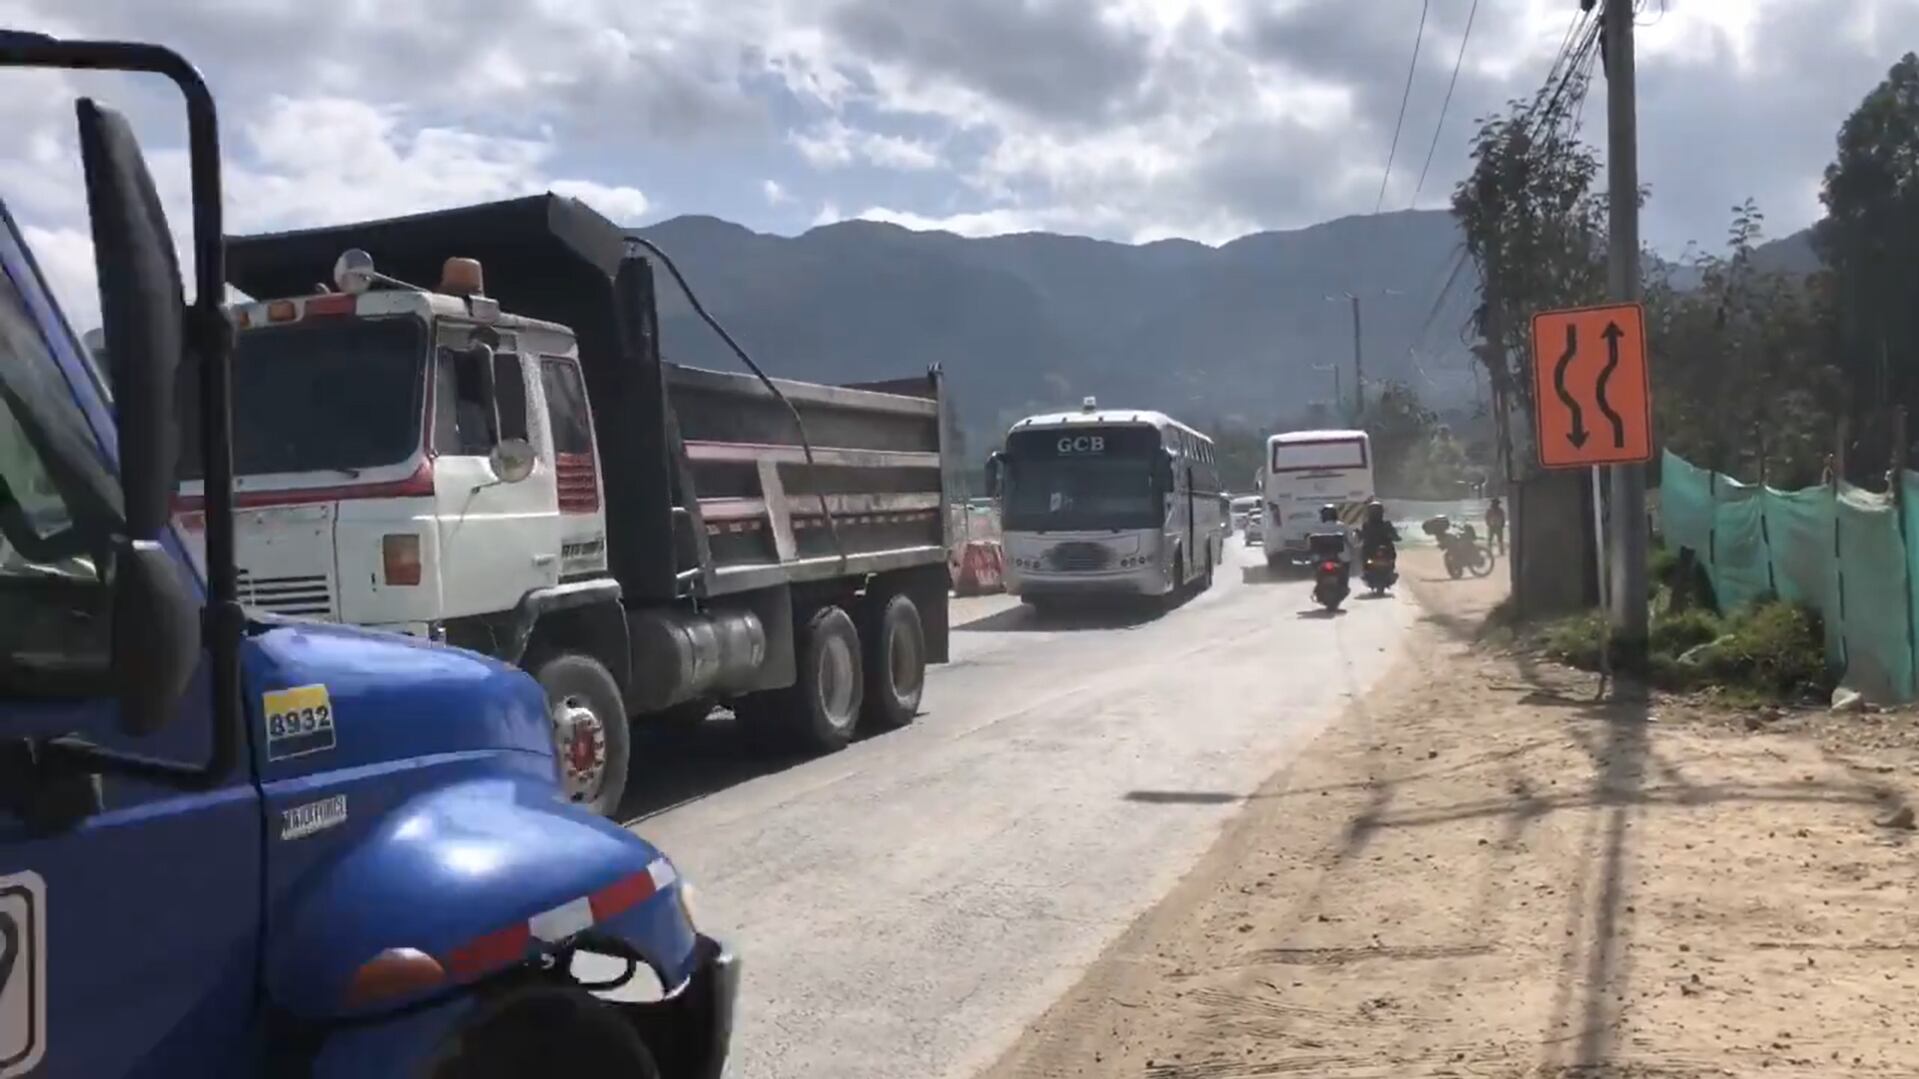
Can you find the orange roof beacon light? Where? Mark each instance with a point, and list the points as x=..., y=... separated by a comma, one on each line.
x=462, y=277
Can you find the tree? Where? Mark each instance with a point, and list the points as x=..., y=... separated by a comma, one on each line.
x=1742, y=385
x=1871, y=194
x=1535, y=231
x=1415, y=455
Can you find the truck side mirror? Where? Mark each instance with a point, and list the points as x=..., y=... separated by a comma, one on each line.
x=155, y=620
x=995, y=465
x=512, y=460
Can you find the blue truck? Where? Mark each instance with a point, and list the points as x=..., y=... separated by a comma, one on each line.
x=239, y=844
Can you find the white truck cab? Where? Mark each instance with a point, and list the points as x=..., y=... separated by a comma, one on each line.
x=428, y=458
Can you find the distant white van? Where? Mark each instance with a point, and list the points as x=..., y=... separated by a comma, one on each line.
x=1303, y=471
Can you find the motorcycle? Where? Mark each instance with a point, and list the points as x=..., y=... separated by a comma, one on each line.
x=1465, y=554
x=1330, y=575
x=1461, y=549
x=1381, y=570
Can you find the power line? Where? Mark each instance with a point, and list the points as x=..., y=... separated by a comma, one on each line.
x=1445, y=102
x=1547, y=109
x=1404, y=97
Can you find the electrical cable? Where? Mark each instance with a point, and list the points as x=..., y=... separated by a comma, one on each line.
x=1404, y=98
x=799, y=425
x=1445, y=102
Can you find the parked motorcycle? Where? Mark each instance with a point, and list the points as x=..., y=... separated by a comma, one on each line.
x=1381, y=570
x=1461, y=549
x=1331, y=572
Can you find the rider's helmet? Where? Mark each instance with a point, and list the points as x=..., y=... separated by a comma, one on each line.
x=1375, y=511
x=1329, y=514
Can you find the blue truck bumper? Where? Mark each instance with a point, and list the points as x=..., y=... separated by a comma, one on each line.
x=691, y=1031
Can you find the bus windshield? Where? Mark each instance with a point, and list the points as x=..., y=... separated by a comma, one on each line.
x=1082, y=480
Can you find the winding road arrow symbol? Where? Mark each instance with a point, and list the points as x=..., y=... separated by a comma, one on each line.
x=9, y=948
x=1576, y=436
x=1612, y=333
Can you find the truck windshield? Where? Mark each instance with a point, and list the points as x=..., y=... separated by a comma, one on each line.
x=334, y=396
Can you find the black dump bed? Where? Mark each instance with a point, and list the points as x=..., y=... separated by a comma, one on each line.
x=707, y=487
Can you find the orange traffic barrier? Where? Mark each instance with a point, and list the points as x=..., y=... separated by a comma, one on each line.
x=979, y=568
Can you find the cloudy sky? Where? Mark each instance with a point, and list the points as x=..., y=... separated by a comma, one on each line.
x=1123, y=119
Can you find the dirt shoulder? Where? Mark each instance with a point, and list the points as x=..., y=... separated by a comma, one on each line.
x=1480, y=872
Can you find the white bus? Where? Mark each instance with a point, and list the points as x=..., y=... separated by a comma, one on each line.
x=1303, y=471
x=1113, y=501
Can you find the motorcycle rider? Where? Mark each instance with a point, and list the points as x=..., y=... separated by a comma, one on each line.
x=1377, y=533
x=1329, y=526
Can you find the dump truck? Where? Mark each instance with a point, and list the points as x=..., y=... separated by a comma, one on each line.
x=460, y=425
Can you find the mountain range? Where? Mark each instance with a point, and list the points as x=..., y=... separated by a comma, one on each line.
x=1243, y=333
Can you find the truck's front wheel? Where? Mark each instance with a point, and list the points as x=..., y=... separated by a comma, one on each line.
x=819, y=711
x=590, y=732
x=548, y=1032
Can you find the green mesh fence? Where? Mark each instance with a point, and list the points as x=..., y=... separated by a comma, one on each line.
x=1839, y=550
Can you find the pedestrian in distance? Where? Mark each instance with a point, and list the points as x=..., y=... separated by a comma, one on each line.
x=1496, y=526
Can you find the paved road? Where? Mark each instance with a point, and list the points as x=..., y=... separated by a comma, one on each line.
x=906, y=906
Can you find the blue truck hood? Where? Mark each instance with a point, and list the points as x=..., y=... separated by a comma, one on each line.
x=388, y=698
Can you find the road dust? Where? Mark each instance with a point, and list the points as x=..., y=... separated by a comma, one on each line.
x=1482, y=872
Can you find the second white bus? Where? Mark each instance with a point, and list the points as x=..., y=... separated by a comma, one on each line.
x=1303, y=471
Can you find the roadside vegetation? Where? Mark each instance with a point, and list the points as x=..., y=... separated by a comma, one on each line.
x=1770, y=650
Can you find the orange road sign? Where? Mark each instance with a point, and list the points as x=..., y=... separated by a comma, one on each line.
x=1591, y=397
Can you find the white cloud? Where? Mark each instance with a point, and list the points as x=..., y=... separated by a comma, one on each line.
x=1126, y=119
x=624, y=205
x=66, y=259
x=835, y=145
x=304, y=161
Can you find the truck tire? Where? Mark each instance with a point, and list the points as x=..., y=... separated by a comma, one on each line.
x=546, y=1031
x=820, y=710
x=895, y=664
x=590, y=731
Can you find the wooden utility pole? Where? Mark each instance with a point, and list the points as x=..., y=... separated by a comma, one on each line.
x=1629, y=594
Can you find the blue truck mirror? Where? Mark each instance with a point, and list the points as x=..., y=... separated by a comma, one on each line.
x=156, y=627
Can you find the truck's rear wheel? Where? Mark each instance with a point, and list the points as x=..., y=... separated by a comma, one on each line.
x=895, y=663
x=547, y=1031
x=820, y=710
x=589, y=730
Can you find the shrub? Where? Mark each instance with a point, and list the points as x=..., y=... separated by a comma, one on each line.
x=1674, y=632
x=1772, y=646
x=1575, y=640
